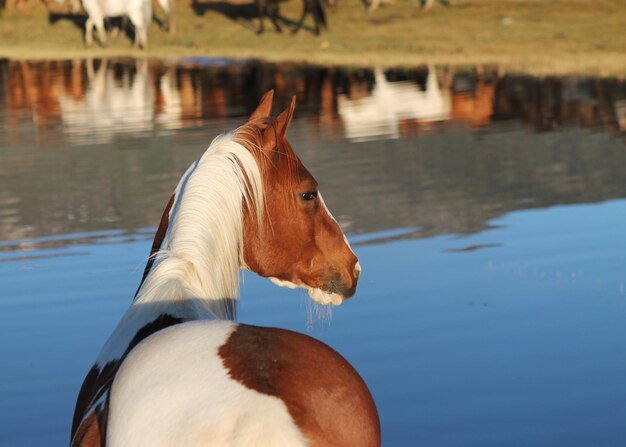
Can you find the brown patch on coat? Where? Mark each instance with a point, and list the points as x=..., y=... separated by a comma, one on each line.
x=158, y=240
x=325, y=396
x=92, y=431
x=96, y=384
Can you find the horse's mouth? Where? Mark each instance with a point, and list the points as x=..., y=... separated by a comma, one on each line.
x=334, y=292
x=325, y=298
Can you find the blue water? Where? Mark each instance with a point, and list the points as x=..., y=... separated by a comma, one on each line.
x=490, y=311
x=520, y=344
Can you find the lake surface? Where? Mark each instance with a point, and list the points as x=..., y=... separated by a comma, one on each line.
x=488, y=211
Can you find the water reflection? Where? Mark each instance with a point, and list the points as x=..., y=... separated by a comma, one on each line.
x=91, y=101
x=99, y=144
x=127, y=96
x=120, y=102
x=380, y=112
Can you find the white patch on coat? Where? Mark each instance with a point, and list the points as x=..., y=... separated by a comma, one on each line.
x=173, y=390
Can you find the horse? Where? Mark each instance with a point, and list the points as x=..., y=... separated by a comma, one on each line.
x=138, y=11
x=269, y=8
x=372, y=5
x=19, y=3
x=178, y=370
x=168, y=7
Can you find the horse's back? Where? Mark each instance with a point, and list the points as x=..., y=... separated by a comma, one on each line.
x=217, y=383
x=104, y=8
x=117, y=8
x=166, y=5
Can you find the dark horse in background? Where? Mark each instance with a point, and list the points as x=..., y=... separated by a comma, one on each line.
x=262, y=9
x=270, y=8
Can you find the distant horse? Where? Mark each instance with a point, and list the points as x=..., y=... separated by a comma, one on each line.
x=168, y=7
x=18, y=3
x=270, y=8
x=74, y=5
x=426, y=4
x=138, y=11
x=177, y=370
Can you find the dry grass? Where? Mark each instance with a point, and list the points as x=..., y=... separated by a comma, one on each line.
x=536, y=36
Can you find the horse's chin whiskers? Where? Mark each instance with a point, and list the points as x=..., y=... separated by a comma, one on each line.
x=316, y=294
x=325, y=298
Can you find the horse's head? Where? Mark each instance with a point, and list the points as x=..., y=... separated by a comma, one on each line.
x=298, y=243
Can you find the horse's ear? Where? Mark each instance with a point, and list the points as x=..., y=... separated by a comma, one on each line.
x=283, y=120
x=264, y=108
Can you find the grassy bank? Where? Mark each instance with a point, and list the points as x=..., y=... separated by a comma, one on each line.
x=535, y=36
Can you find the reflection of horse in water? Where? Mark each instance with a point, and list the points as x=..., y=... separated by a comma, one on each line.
x=32, y=92
x=379, y=114
x=620, y=114
x=475, y=105
x=178, y=370
x=114, y=106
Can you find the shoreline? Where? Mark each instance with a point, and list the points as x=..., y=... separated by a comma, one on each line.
x=513, y=36
x=543, y=67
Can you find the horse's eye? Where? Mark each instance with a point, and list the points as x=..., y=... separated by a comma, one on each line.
x=309, y=195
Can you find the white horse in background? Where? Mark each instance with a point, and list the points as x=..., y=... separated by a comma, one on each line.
x=138, y=11
x=168, y=7
x=372, y=5
x=74, y=4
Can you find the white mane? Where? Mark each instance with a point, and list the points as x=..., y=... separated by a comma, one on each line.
x=202, y=251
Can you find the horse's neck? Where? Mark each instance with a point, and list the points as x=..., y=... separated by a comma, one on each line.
x=179, y=284
x=195, y=274
x=169, y=296
x=143, y=319
x=200, y=255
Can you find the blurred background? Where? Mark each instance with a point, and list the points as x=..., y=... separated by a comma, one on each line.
x=473, y=151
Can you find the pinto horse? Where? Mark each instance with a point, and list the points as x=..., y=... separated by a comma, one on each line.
x=177, y=370
x=138, y=11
